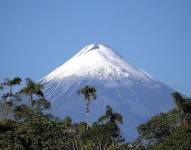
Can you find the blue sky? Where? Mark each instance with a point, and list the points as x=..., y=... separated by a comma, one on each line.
x=36, y=36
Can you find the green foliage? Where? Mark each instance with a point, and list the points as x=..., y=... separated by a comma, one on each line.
x=32, y=90
x=180, y=139
x=39, y=132
x=110, y=117
x=89, y=94
x=8, y=98
x=8, y=85
x=12, y=82
x=40, y=105
x=17, y=104
x=23, y=112
x=158, y=127
x=183, y=104
x=170, y=130
x=32, y=129
x=67, y=122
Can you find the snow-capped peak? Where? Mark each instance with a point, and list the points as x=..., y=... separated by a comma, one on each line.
x=98, y=48
x=98, y=61
x=127, y=89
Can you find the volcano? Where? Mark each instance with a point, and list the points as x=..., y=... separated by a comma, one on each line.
x=129, y=90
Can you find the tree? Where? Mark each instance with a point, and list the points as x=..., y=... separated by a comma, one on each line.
x=32, y=129
x=158, y=127
x=41, y=105
x=9, y=98
x=89, y=94
x=37, y=102
x=67, y=121
x=10, y=83
x=23, y=112
x=104, y=134
x=166, y=130
x=110, y=117
x=180, y=139
x=32, y=89
x=183, y=104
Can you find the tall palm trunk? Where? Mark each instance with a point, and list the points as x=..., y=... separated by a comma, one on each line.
x=87, y=113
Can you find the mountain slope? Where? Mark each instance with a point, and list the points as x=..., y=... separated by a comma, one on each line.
x=129, y=90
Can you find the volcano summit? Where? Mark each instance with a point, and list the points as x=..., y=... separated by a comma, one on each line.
x=127, y=89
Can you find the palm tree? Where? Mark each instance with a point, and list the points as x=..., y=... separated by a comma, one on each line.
x=10, y=83
x=32, y=89
x=89, y=94
x=110, y=117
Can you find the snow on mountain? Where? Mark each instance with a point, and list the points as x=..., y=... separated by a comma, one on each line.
x=129, y=90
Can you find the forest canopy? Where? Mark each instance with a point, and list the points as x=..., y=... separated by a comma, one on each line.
x=25, y=123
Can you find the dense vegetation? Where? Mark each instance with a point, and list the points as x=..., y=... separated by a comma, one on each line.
x=26, y=124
